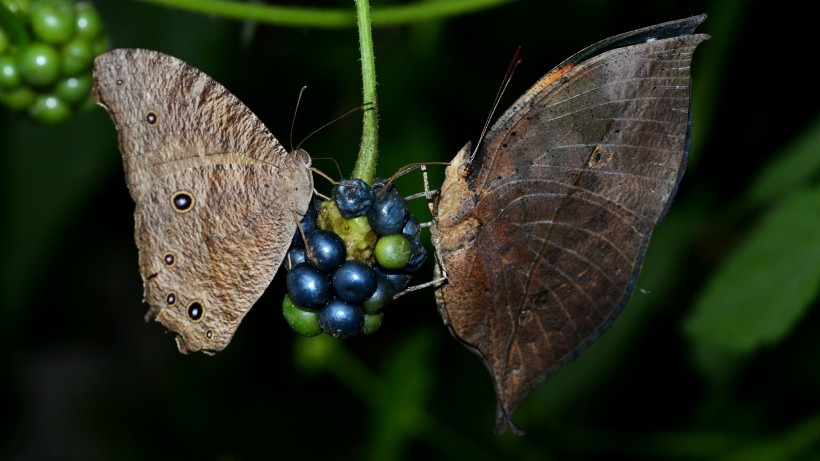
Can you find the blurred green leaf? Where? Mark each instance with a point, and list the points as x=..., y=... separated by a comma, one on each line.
x=799, y=442
x=399, y=414
x=766, y=286
x=795, y=167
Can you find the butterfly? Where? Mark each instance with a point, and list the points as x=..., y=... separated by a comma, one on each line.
x=541, y=231
x=217, y=196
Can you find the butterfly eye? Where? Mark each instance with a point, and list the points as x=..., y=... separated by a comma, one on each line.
x=464, y=169
x=195, y=311
x=152, y=118
x=169, y=259
x=171, y=298
x=182, y=201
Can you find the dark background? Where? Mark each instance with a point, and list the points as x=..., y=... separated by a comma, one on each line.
x=85, y=378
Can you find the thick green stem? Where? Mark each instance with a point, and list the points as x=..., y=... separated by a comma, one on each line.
x=330, y=18
x=365, y=168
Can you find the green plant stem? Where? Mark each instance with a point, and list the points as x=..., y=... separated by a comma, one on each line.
x=330, y=18
x=365, y=168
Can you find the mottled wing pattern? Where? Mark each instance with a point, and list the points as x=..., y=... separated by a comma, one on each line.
x=215, y=192
x=556, y=212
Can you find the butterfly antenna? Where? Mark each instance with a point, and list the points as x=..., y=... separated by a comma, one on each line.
x=516, y=60
x=293, y=120
x=365, y=106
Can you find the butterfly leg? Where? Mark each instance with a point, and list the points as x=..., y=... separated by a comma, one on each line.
x=428, y=194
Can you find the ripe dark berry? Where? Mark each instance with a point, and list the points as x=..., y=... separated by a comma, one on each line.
x=354, y=281
x=308, y=287
x=399, y=280
x=417, y=256
x=411, y=228
x=380, y=297
x=325, y=250
x=353, y=196
x=341, y=318
x=389, y=211
x=308, y=224
x=296, y=255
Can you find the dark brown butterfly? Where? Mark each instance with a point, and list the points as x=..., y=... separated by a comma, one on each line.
x=543, y=229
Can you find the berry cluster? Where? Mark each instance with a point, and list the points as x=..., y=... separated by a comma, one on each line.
x=360, y=249
x=46, y=51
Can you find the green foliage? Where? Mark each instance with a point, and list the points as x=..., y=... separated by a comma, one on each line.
x=767, y=284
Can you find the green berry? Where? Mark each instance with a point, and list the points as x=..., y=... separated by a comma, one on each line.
x=39, y=64
x=88, y=22
x=18, y=7
x=372, y=322
x=302, y=321
x=17, y=98
x=9, y=72
x=74, y=89
x=49, y=109
x=393, y=251
x=52, y=20
x=77, y=56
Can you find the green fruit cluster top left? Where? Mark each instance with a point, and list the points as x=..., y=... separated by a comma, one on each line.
x=46, y=51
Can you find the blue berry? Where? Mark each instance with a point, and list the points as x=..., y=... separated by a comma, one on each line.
x=308, y=223
x=353, y=196
x=389, y=212
x=380, y=297
x=411, y=228
x=308, y=287
x=417, y=256
x=296, y=255
x=325, y=250
x=341, y=318
x=354, y=281
x=399, y=280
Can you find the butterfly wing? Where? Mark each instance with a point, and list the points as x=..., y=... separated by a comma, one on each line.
x=543, y=234
x=215, y=192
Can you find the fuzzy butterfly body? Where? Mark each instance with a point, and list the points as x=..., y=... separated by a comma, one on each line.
x=217, y=196
x=542, y=233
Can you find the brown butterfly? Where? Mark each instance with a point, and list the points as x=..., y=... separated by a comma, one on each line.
x=217, y=196
x=543, y=229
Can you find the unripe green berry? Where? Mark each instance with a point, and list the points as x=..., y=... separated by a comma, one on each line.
x=17, y=98
x=53, y=21
x=393, y=251
x=77, y=56
x=39, y=64
x=302, y=321
x=88, y=22
x=74, y=89
x=372, y=322
x=9, y=72
x=48, y=108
